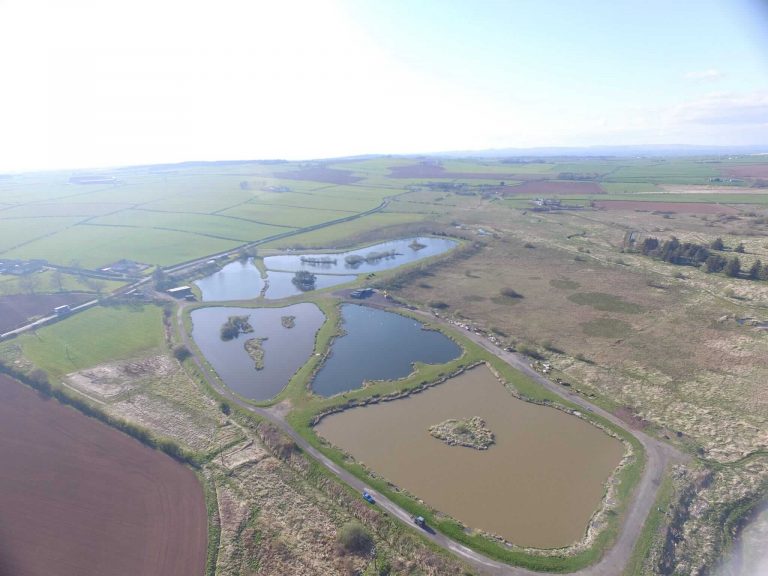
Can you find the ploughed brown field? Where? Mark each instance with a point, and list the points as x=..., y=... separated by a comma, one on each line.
x=17, y=308
x=320, y=174
x=748, y=171
x=78, y=497
x=561, y=187
x=673, y=207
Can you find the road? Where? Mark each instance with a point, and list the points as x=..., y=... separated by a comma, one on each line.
x=658, y=457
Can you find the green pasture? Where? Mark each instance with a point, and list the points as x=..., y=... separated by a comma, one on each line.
x=63, y=208
x=588, y=166
x=96, y=246
x=497, y=167
x=285, y=217
x=332, y=235
x=16, y=232
x=91, y=337
x=202, y=224
x=201, y=202
x=362, y=195
x=313, y=200
x=674, y=171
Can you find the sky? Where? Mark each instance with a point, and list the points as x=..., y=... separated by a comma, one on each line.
x=89, y=83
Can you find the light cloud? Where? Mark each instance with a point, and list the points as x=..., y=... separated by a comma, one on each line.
x=704, y=75
x=724, y=109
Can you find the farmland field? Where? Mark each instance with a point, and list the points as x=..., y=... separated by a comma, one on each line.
x=91, y=337
x=15, y=309
x=78, y=497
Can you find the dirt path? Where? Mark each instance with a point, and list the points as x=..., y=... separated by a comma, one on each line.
x=659, y=457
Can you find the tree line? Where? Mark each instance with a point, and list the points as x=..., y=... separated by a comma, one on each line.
x=692, y=254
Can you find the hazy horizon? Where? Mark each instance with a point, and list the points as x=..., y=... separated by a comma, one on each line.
x=94, y=84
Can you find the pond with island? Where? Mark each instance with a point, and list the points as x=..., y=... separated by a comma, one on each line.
x=529, y=473
x=258, y=359
x=242, y=280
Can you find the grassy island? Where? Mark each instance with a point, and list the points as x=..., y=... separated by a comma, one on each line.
x=256, y=351
x=469, y=432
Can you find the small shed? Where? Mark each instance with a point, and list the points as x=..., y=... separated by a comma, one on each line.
x=180, y=291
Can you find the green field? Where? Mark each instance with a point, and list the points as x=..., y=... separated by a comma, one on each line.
x=92, y=337
x=216, y=226
x=96, y=246
x=47, y=281
x=329, y=237
x=17, y=232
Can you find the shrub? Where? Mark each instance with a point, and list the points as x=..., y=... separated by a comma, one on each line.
x=181, y=352
x=225, y=408
x=438, y=304
x=354, y=538
x=510, y=293
x=529, y=351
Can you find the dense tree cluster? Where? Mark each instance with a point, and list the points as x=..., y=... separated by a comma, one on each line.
x=675, y=252
x=304, y=280
x=692, y=254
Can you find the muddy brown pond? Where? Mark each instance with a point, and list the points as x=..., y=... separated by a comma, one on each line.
x=537, y=486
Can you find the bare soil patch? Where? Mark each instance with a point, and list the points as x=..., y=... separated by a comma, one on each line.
x=17, y=308
x=748, y=171
x=108, y=380
x=671, y=207
x=560, y=187
x=86, y=499
x=321, y=174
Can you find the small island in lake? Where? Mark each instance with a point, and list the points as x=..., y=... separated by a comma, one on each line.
x=256, y=352
x=288, y=321
x=304, y=280
x=234, y=326
x=416, y=245
x=355, y=260
x=469, y=432
x=318, y=260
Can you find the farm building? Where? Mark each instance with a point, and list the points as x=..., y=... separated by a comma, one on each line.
x=180, y=291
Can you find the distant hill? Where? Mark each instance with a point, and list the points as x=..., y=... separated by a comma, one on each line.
x=612, y=151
